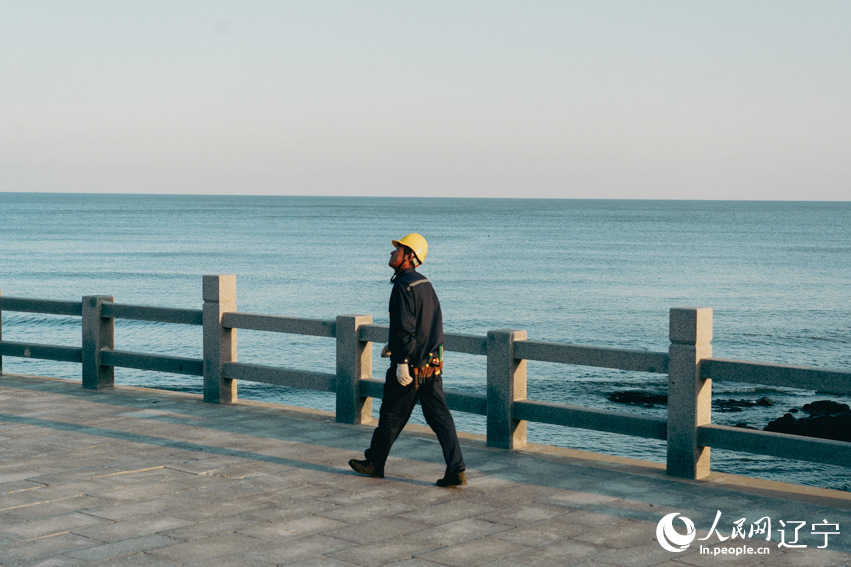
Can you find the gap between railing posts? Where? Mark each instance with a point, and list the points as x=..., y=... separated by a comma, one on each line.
x=689, y=396
x=98, y=334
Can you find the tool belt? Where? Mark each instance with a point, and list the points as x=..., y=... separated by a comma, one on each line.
x=423, y=373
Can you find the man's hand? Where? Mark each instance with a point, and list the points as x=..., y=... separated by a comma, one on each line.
x=385, y=352
x=403, y=375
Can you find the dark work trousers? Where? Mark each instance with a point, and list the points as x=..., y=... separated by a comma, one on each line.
x=396, y=408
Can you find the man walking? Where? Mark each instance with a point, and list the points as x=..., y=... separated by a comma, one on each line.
x=415, y=349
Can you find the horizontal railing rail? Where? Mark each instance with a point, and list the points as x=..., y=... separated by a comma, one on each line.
x=688, y=429
x=279, y=324
x=45, y=306
x=371, y=388
x=782, y=445
x=601, y=357
x=41, y=352
x=591, y=418
x=373, y=333
x=822, y=380
x=155, y=314
x=318, y=381
x=154, y=362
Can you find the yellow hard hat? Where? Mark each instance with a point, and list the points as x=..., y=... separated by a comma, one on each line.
x=416, y=243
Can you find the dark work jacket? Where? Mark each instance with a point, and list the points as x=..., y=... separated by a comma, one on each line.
x=416, y=322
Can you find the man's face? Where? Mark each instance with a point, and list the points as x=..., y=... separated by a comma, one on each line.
x=397, y=257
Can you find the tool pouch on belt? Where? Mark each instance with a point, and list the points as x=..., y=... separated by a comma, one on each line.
x=423, y=373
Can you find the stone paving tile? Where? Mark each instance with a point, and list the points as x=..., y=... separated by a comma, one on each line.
x=31, y=550
x=376, y=530
x=700, y=560
x=121, y=548
x=622, y=534
x=112, y=510
x=290, y=528
x=412, y=562
x=211, y=527
x=292, y=509
x=19, y=485
x=513, y=495
x=297, y=550
x=209, y=548
x=199, y=510
x=524, y=513
x=381, y=552
x=14, y=476
x=47, y=509
x=476, y=552
x=205, y=463
x=446, y=535
x=236, y=560
x=55, y=561
x=558, y=554
x=587, y=521
x=135, y=560
x=446, y=512
x=83, y=472
x=577, y=499
x=379, y=491
x=638, y=556
x=49, y=526
x=139, y=491
x=540, y=533
x=346, y=479
x=148, y=475
x=367, y=511
x=807, y=558
x=502, y=563
x=131, y=527
x=324, y=561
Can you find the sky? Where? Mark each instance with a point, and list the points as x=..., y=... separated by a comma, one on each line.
x=598, y=99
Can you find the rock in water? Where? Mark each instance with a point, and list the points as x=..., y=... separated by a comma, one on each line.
x=646, y=399
x=825, y=407
x=737, y=405
x=827, y=420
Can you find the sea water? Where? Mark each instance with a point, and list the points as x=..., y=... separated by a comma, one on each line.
x=594, y=272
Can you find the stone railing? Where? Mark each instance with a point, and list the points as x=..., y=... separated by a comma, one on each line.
x=688, y=363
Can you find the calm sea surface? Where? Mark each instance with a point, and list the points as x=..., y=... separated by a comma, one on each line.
x=604, y=273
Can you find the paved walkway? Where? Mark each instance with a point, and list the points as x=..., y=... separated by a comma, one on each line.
x=144, y=477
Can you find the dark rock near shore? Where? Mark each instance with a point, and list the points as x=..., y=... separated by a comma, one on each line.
x=825, y=407
x=737, y=405
x=827, y=420
x=646, y=399
x=650, y=399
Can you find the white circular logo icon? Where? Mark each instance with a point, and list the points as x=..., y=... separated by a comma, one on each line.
x=669, y=538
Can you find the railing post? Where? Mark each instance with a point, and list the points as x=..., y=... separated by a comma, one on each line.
x=689, y=397
x=354, y=361
x=506, y=384
x=98, y=334
x=219, y=293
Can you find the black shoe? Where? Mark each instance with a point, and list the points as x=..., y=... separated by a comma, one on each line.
x=365, y=467
x=457, y=479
